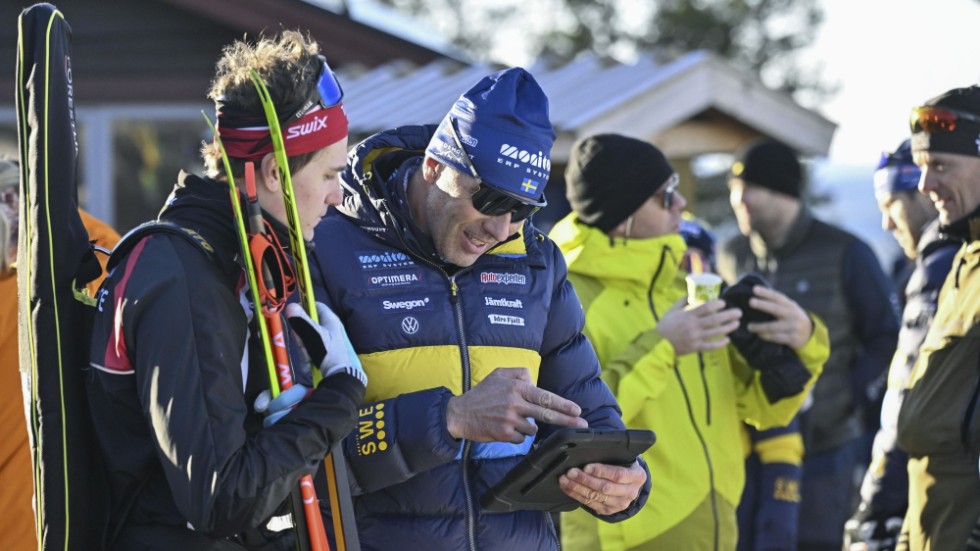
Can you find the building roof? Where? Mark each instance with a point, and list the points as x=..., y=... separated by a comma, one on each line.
x=164, y=51
x=591, y=95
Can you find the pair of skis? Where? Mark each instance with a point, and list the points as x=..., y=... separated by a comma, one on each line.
x=268, y=295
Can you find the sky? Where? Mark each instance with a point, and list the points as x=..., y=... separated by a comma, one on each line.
x=889, y=56
x=886, y=56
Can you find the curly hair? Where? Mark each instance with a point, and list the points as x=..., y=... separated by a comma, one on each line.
x=288, y=65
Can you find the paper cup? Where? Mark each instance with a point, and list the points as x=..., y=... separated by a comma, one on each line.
x=702, y=288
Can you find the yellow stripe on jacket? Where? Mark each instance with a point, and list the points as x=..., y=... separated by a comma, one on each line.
x=395, y=372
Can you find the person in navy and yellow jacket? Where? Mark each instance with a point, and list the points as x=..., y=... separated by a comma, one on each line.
x=670, y=364
x=461, y=314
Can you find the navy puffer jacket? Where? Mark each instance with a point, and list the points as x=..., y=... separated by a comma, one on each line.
x=424, y=333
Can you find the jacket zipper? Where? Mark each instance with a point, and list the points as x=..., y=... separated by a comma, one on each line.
x=687, y=402
x=464, y=356
x=653, y=310
x=653, y=280
x=707, y=394
x=707, y=455
x=465, y=360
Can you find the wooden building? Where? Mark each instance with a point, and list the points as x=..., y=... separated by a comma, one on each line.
x=142, y=69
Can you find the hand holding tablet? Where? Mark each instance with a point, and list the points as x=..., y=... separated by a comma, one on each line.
x=534, y=482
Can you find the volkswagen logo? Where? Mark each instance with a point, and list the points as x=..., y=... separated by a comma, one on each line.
x=410, y=325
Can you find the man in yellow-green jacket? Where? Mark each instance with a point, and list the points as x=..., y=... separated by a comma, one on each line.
x=670, y=364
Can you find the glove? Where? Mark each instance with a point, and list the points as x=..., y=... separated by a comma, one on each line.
x=782, y=373
x=281, y=405
x=862, y=532
x=325, y=344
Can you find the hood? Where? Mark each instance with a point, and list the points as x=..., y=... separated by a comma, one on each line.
x=203, y=205
x=591, y=252
x=374, y=182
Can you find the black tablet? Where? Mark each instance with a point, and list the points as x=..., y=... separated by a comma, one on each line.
x=533, y=483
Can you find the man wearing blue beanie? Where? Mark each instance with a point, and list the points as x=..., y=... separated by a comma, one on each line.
x=460, y=311
x=912, y=220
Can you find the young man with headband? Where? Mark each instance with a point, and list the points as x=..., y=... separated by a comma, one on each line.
x=176, y=365
x=939, y=422
x=463, y=317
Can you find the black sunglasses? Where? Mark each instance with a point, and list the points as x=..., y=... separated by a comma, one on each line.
x=490, y=201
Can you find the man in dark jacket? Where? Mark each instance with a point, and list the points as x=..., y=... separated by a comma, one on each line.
x=176, y=364
x=912, y=219
x=463, y=317
x=939, y=422
x=835, y=275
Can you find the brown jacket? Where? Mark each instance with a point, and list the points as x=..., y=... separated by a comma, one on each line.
x=934, y=425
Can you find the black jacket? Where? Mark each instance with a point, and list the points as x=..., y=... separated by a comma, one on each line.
x=173, y=385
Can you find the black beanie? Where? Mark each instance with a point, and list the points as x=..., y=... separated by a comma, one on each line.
x=610, y=176
x=771, y=165
x=963, y=140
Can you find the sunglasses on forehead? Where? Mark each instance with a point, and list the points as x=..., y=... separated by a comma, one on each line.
x=490, y=201
x=938, y=119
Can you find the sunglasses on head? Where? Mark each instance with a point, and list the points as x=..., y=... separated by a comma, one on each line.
x=327, y=93
x=938, y=119
x=667, y=195
x=490, y=201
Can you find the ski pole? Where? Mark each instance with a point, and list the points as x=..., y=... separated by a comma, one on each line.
x=316, y=534
x=272, y=305
x=335, y=468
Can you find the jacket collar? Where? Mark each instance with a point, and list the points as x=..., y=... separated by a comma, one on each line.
x=966, y=228
x=591, y=252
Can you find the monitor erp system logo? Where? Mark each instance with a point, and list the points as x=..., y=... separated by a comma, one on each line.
x=535, y=164
x=383, y=260
x=371, y=433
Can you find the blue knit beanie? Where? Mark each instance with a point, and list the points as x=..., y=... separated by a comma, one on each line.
x=897, y=171
x=504, y=127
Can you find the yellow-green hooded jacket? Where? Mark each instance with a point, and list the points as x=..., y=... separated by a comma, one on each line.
x=693, y=402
